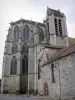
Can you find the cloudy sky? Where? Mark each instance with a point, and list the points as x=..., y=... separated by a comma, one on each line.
x=12, y=10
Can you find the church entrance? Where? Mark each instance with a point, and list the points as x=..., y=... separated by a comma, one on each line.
x=46, y=91
x=24, y=75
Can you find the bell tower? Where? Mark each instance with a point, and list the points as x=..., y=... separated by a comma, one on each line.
x=56, y=28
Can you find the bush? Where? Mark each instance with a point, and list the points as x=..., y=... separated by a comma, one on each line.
x=35, y=92
x=32, y=91
x=17, y=91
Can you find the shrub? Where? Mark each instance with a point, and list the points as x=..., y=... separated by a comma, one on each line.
x=35, y=92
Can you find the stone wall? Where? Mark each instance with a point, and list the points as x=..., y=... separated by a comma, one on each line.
x=54, y=87
x=44, y=54
x=13, y=84
x=67, y=76
x=62, y=41
x=64, y=73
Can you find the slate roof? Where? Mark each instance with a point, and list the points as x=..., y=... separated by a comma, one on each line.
x=62, y=53
x=27, y=21
x=57, y=13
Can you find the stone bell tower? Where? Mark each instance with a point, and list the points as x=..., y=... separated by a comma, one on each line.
x=56, y=28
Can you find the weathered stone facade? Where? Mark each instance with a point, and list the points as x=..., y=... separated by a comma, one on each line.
x=36, y=43
x=64, y=75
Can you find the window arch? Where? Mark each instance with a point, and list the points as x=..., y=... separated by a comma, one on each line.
x=25, y=65
x=26, y=33
x=25, y=48
x=14, y=48
x=52, y=71
x=16, y=33
x=41, y=35
x=13, y=68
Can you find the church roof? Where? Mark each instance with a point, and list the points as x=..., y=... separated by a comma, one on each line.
x=27, y=21
x=62, y=53
x=57, y=13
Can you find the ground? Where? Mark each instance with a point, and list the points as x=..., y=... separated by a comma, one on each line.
x=23, y=97
x=7, y=97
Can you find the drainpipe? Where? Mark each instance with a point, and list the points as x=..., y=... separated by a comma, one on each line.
x=35, y=48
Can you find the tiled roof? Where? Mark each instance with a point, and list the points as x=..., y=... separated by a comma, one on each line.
x=59, y=54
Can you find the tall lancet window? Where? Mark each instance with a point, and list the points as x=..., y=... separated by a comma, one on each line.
x=13, y=67
x=26, y=33
x=25, y=48
x=25, y=65
x=39, y=72
x=52, y=72
x=41, y=34
x=14, y=48
x=60, y=27
x=25, y=59
x=48, y=27
x=16, y=33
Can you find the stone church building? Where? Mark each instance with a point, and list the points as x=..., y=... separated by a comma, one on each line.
x=38, y=56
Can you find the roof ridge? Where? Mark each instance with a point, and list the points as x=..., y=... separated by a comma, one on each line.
x=27, y=20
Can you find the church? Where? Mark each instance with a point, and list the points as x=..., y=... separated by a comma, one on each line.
x=37, y=56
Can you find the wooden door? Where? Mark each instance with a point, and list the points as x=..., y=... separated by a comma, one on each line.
x=46, y=91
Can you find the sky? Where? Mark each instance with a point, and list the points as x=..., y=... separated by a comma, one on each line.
x=12, y=10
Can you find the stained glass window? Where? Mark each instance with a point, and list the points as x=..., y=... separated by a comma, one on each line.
x=41, y=35
x=26, y=33
x=16, y=33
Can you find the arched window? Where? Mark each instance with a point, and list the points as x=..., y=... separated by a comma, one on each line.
x=26, y=33
x=41, y=34
x=13, y=68
x=25, y=65
x=16, y=33
x=52, y=71
x=48, y=26
x=39, y=72
x=14, y=48
x=25, y=48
